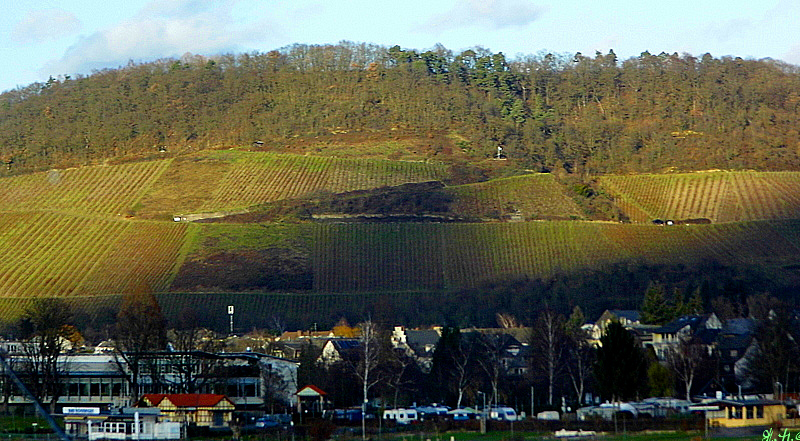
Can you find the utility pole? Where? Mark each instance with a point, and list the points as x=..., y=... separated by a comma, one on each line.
x=483, y=413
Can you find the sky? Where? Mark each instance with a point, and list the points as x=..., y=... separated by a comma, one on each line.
x=44, y=38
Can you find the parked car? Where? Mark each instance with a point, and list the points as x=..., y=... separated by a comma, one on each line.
x=275, y=419
x=266, y=423
x=432, y=411
x=348, y=415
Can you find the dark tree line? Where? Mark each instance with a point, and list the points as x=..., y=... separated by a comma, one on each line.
x=560, y=362
x=466, y=366
x=580, y=114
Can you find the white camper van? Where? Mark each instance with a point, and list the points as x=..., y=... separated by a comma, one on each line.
x=401, y=416
x=503, y=414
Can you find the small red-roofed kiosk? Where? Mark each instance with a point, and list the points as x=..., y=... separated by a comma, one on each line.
x=311, y=399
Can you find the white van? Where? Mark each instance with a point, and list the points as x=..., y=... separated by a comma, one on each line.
x=401, y=416
x=503, y=414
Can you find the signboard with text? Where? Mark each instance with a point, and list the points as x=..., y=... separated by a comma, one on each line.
x=81, y=411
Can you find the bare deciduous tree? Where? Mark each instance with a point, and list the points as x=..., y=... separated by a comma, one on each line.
x=366, y=366
x=490, y=359
x=685, y=359
x=463, y=364
x=548, y=356
x=140, y=328
x=398, y=363
x=43, y=365
x=579, y=353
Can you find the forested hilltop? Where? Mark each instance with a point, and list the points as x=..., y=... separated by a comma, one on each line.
x=579, y=114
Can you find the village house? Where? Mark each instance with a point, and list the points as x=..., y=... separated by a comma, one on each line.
x=137, y=423
x=338, y=349
x=201, y=410
x=627, y=318
x=684, y=329
x=734, y=342
x=745, y=412
x=418, y=344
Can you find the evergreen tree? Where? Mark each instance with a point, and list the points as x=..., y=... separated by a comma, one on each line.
x=443, y=366
x=678, y=307
x=695, y=303
x=655, y=310
x=621, y=368
x=660, y=379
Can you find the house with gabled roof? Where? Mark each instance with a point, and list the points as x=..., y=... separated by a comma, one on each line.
x=418, y=344
x=627, y=318
x=339, y=349
x=202, y=410
x=734, y=342
x=685, y=328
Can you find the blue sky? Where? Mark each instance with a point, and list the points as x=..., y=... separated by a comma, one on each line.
x=48, y=37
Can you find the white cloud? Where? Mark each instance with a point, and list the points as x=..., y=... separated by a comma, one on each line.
x=731, y=30
x=793, y=56
x=44, y=25
x=164, y=28
x=494, y=14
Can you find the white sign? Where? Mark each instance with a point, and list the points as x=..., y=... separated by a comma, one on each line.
x=230, y=309
x=81, y=411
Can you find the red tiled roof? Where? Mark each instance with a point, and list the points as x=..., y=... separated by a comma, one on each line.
x=186, y=400
x=314, y=388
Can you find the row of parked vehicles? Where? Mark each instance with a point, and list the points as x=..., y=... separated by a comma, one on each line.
x=415, y=414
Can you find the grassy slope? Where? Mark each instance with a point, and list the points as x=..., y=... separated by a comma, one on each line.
x=536, y=196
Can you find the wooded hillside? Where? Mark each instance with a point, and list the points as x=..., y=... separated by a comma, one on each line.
x=549, y=112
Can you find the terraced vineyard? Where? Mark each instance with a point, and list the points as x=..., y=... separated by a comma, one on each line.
x=411, y=256
x=718, y=196
x=266, y=177
x=60, y=255
x=234, y=180
x=62, y=233
x=353, y=265
x=535, y=196
x=108, y=190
